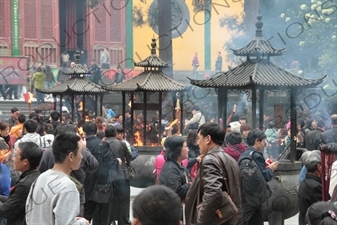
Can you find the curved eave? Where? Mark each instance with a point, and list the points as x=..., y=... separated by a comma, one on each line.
x=152, y=61
x=75, y=86
x=258, y=45
x=149, y=81
x=77, y=70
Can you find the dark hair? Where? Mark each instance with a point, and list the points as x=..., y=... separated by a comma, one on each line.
x=93, y=60
x=243, y=118
x=48, y=68
x=233, y=138
x=119, y=129
x=48, y=128
x=34, y=116
x=245, y=127
x=55, y=115
x=255, y=134
x=333, y=119
x=308, y=123
x=14, y=109
x=118, y=115
x=100, y=135
x=110, y=131
x=66, y=116
x=157, y=204
x=270, y=124
x=320, y=123
x=32, y=152
x=39, y=69
x=3, y=125
x=21, y=118
x=196, y=108
x=68, y=121
x=214, y=130
x=318, y=214
x=191, y=137
x=173, y=146
x=90, y=128
x=30, y=126
x=65, y=128
x=64, y=144
x=301, y=123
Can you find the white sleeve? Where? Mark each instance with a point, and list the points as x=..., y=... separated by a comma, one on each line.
x=195, y=118
x=333, y=178
x=66, y=215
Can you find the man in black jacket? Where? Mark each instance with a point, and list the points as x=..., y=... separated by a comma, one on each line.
x=26, y=160
x=313, y=138
x=95, y=71
x=310, y=189
x=330, y=136
x=122, y=184
x=93, y=145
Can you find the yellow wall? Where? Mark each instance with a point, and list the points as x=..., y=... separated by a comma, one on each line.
x=192, y=40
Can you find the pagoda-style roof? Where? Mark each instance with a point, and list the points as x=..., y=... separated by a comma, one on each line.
x=262, y=74
x=77, y=69
x=75, y=85
x=153, y=60
x=152, y=79
x=149, y=80
x=259, y=45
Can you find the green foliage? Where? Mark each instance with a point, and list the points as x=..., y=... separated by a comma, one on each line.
x=308, y=30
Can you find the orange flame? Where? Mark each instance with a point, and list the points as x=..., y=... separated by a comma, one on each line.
x=137, y=139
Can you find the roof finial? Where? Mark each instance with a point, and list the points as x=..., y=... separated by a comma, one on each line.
x=259, y=25
x=153, y=45
x=77, y=57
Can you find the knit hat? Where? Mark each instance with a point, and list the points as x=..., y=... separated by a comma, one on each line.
x=3, y=144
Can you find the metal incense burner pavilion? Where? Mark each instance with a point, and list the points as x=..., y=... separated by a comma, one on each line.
x=149, y=96
x=258, y=77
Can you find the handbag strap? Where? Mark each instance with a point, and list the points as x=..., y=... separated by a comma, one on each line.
x=224, y=168
x=199, y=187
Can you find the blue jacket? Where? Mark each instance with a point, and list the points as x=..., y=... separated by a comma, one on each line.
x=5, y=180
x=260, y=162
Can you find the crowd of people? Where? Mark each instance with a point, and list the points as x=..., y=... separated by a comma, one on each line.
x=57, y=172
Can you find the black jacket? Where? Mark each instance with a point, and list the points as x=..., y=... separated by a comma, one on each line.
x=330, y=136
x=309, y=192
x=12, y=207
x=92, y=178
x=193, y=153
x=176, y=177
x=313, y=139
x=120, y=150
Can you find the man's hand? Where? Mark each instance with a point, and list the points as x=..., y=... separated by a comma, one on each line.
x=83, y=220
x=273, y=166
x=234, y=108
x=119, y=161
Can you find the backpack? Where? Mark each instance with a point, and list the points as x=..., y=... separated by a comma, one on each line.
x=107, y=163
x=255, y=189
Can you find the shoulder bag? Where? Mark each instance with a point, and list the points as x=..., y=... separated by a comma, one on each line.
x=227, y=209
